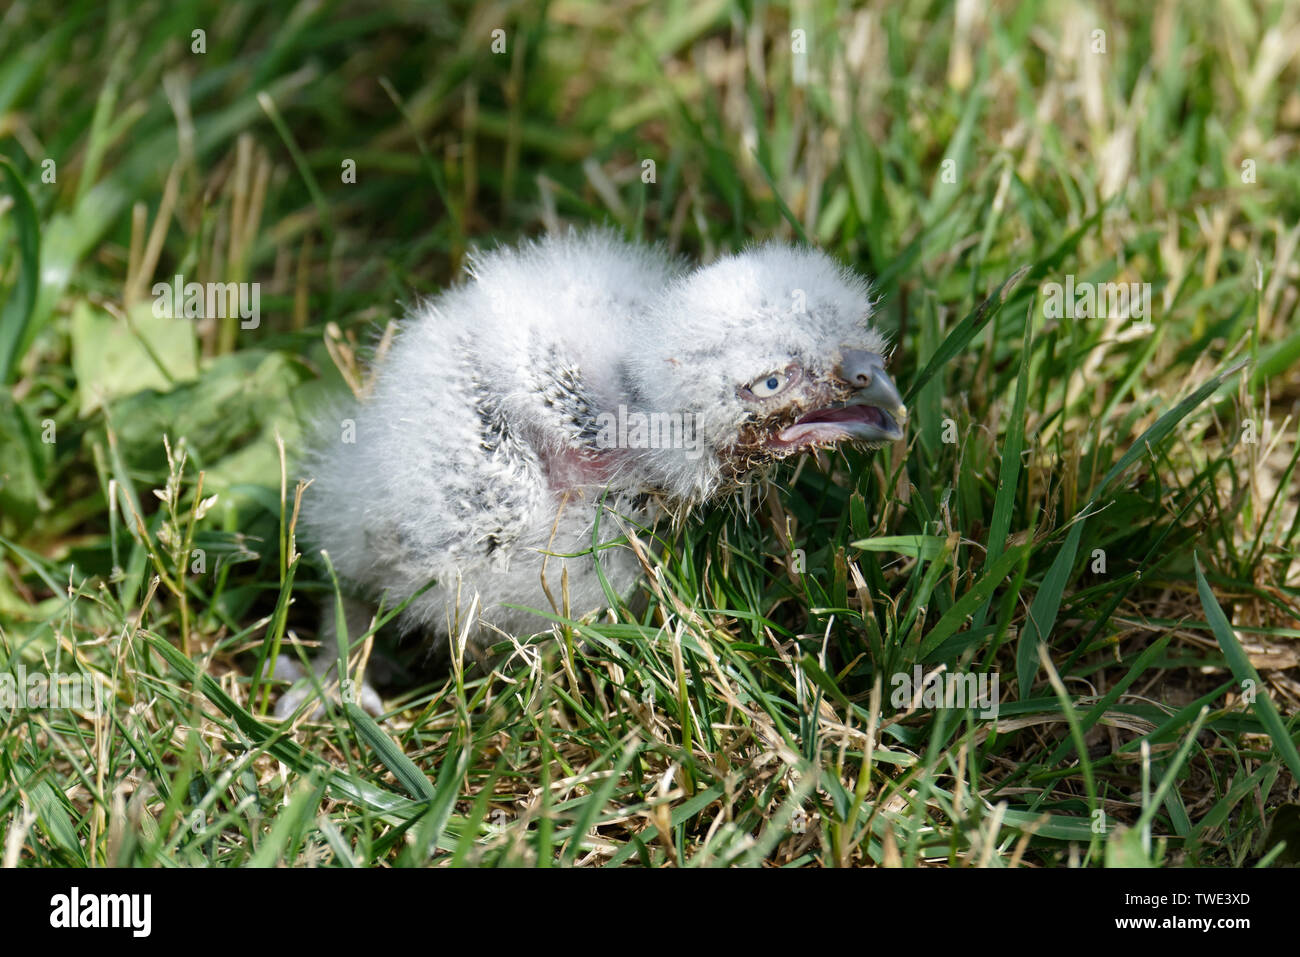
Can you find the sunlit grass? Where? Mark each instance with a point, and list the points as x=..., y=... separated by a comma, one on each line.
x=1102, y=514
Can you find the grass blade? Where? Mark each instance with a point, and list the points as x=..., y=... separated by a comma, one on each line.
x=16, y=317
x=1244, y=671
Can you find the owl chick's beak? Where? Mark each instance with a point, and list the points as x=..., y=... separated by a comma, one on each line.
x=873, y=413
x=865, y=372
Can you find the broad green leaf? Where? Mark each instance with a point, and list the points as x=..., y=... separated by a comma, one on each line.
x=114, y=357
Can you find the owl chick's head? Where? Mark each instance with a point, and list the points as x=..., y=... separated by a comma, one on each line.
x=765, y=353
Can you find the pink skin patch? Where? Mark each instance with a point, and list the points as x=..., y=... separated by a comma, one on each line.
x=575, y=468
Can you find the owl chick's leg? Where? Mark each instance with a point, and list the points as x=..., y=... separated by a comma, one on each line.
x=357, y=616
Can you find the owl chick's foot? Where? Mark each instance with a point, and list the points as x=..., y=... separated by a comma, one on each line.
x=357, y=618
x=287, y=669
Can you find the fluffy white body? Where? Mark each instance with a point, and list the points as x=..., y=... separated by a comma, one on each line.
x=466, y=467
x=504, y=435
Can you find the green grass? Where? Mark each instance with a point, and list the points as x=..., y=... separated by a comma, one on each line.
x=745, y=715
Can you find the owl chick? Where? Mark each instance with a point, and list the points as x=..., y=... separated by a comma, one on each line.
x=571, y=389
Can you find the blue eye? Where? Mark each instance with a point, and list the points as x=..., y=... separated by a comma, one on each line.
x=774, y=383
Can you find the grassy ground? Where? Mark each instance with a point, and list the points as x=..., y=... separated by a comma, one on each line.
x=1100, y=512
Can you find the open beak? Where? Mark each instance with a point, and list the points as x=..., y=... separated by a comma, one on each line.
x=874, y=389
x=873, y=414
